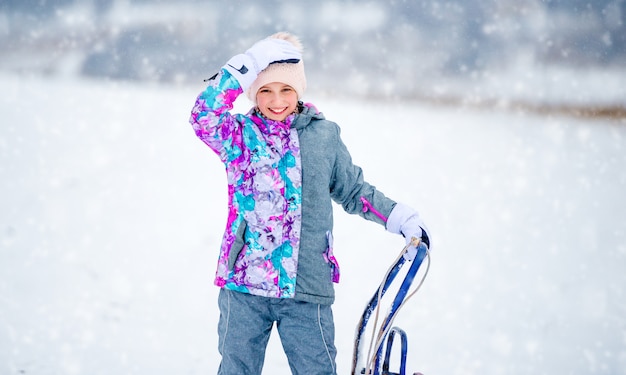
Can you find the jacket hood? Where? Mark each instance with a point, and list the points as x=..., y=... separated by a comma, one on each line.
x=307, y=114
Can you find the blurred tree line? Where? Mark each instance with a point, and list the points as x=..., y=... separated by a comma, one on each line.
x=347, y=41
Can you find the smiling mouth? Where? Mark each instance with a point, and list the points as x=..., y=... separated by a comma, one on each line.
x=278, y=111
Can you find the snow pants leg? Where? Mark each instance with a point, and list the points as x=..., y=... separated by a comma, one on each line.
x=306, y=331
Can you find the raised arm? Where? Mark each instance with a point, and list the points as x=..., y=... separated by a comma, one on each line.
x=210, y=116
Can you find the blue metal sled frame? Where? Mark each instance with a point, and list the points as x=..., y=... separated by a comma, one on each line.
x=386, y=332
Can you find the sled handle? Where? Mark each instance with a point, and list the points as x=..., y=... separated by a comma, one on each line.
x=372, y=363
x=403, y=351
x=402, y=296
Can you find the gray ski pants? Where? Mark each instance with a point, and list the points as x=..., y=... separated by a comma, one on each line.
x=306, y=331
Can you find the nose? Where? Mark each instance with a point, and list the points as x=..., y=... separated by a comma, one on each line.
x=275, y=96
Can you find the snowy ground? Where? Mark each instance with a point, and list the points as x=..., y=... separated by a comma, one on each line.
x=112, y=211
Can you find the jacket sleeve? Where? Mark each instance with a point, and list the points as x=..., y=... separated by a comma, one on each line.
x=211, y=119
x=348, y=188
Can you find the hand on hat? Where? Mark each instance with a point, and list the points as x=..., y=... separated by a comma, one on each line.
x=246, y=67
x=270, y=50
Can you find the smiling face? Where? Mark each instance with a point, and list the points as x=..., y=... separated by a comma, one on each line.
x=276, y=100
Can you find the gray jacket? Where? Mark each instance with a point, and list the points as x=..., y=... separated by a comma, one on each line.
x=327, y=173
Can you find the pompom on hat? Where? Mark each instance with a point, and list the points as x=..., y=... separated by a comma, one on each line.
x=291, y=74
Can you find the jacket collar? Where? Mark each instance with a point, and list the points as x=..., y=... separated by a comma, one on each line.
x=308, y=113
x=268, y=126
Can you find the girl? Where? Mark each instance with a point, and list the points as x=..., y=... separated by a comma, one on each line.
x=284, y=163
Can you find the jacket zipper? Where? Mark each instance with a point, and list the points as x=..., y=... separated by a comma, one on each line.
x=367, y=206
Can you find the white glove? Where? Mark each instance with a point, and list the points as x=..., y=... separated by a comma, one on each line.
x=270, y=50
x=406, y=221
x=246, y=66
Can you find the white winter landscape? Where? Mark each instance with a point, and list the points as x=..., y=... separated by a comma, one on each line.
x=503, y=122
x=112, y=212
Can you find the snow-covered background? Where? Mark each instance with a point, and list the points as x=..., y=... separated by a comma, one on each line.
x=111, y=212
x=459, y=50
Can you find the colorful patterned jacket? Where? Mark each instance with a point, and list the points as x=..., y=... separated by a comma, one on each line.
x=281, y=179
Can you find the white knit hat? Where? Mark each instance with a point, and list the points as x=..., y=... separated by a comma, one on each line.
x=288, y=73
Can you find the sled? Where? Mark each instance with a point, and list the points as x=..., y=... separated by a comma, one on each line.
x=377, y=360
